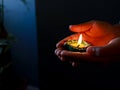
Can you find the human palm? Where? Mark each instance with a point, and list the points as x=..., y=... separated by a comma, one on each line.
x=105, y=40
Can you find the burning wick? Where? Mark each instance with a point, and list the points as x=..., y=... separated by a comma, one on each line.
x=76, y=45
x=79, y=40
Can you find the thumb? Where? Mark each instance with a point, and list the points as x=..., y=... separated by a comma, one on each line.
x=112, y=48
x=81, y=27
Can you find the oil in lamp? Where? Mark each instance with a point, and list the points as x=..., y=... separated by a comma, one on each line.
x=77, y=45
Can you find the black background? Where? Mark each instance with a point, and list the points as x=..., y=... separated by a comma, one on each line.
x=53, y=19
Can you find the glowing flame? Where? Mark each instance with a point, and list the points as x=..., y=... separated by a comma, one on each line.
x=80, y=39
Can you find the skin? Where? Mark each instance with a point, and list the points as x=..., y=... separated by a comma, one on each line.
x=105, y=40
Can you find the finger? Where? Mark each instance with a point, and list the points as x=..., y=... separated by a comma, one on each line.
x=112, y=48
x=80, y=57
x=83, y=27
x=58, y=52
x=75, y=64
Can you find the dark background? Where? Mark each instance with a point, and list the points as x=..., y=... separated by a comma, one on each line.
x=53, y=19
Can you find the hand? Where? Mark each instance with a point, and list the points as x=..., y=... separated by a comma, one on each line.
x=104, y=38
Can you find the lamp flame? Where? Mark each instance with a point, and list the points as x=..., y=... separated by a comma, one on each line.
x=80, y=39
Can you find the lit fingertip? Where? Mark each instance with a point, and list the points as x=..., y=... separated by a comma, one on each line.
x=70, y=26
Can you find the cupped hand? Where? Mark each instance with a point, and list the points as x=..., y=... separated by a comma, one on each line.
x=103, y=55
x=99, y=33
x=102, y=35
